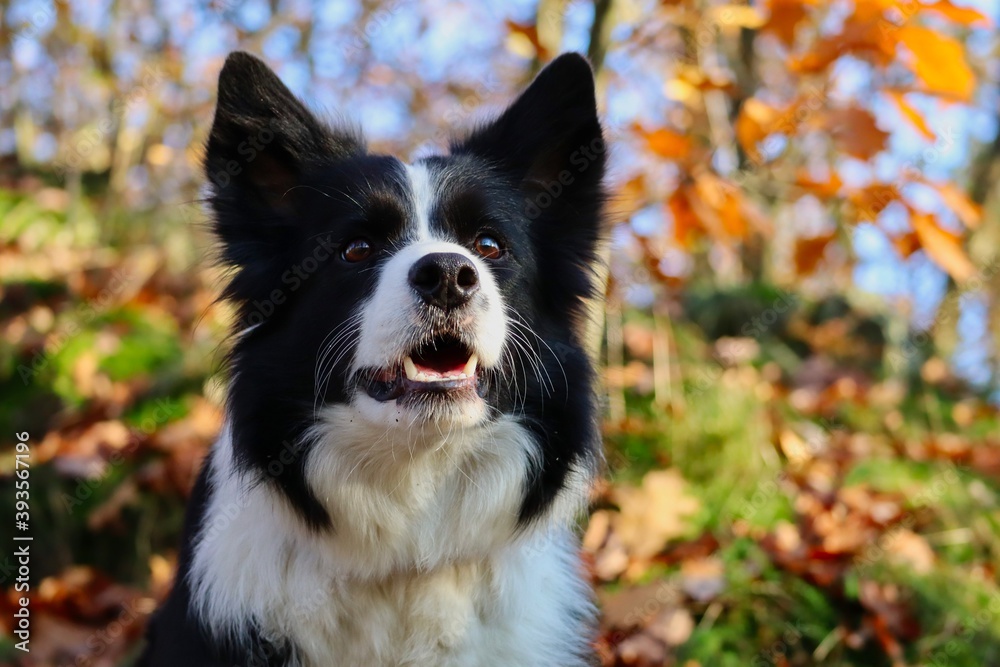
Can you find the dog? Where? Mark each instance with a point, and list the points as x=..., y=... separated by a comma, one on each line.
x=411, y=426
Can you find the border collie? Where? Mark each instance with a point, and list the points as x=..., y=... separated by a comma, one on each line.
x=411, y=427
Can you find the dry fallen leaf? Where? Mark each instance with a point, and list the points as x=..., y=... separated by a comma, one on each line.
x=909, y=548
x=673, y=626
x=655, y=513
x=703, y=579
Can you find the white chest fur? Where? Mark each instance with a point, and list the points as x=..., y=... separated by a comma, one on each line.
x=425, y=565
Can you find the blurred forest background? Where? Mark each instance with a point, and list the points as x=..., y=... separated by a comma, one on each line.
x=801, y=343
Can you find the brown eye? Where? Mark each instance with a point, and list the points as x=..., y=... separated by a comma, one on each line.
x=356, y=250
x=488, y=247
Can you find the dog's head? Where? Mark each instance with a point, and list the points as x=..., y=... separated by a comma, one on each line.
x=446, y=294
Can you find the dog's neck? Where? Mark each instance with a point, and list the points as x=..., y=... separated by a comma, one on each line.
x=431, y=543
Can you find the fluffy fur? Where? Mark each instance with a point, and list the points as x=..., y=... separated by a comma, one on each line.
x=353, y=513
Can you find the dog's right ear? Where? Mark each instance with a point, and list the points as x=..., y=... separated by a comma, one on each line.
x=263, y=137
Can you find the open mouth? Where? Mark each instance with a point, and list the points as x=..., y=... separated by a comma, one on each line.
x=441, y=365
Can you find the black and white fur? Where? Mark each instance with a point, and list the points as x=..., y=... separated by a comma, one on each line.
x=353, y=513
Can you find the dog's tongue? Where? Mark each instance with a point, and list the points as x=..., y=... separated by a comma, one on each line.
x=441, y=363
x=446, y=360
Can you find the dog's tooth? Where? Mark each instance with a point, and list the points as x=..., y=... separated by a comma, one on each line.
x=470, y=366
x=410, y=368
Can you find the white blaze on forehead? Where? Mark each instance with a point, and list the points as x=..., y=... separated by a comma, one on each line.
x=421, y=185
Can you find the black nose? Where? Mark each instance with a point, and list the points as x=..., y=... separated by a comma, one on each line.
x=444, y=279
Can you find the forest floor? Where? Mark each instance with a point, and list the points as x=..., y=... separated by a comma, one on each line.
x=785, y=486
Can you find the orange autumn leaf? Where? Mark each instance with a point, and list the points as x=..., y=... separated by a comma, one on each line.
x=855, y=131
x=868, y=10
x=656, y=512
x=872, y=200
x=719, y=207
x=733, y=16
x=952, y=12
x=686, y=225
x=784, y=19
x=630, y=197
x=822, y=189
x=862, y=36
x=665, y=143
x=753, y=124
x=938, y=61
x=809, y=252
x=968, y=211
x=690, y=80
x=943, y=247
x=911, y=114
x=906, y=244
x=731, y=214
x=523, y=38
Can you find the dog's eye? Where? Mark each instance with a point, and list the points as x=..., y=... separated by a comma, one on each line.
x=488, y=247
x=356, y=250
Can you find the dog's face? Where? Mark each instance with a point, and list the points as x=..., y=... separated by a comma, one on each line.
x=446, y=293
x=434, y=326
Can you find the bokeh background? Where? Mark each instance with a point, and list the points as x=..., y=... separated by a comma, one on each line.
x=800, y=349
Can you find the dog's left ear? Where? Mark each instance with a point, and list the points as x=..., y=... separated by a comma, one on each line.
x=551, y=133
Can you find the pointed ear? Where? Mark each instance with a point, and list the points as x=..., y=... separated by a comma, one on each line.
x=550, y=129
x=263, y=137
